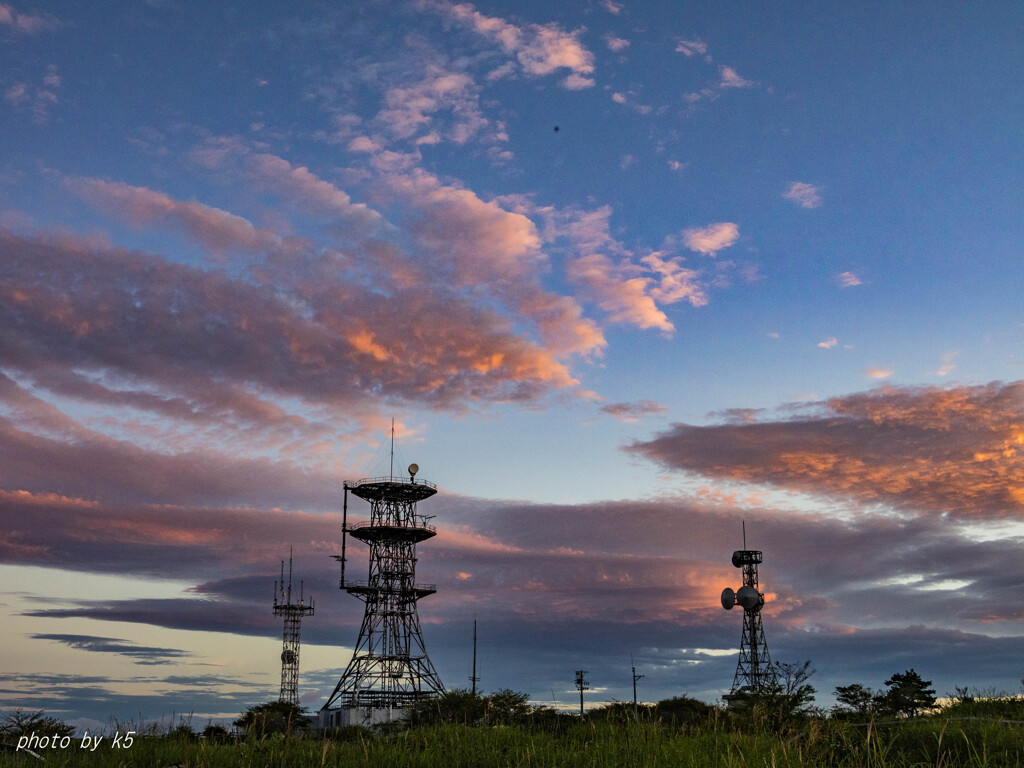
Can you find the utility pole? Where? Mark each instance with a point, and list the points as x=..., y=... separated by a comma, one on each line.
x=636, y=708
x=582, y=685
x=473, y=678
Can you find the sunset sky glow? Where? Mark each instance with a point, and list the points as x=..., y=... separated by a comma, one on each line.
x=625, y=275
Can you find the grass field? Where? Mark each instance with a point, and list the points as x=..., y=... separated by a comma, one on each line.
x=931, y=741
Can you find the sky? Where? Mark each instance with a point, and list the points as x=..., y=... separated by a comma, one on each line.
x=626, y=276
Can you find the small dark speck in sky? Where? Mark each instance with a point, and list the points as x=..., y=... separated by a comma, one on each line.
x=556, y=129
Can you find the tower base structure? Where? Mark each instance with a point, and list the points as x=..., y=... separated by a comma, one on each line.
x=367, y=717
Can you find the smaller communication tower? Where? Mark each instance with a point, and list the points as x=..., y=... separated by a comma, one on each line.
x=754, y=669
x=293, y=613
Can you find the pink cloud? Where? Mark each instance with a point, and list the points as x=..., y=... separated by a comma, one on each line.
x=215, y=229
x=184, y=332
x=630, y=290
x=470, y=242
x=539, y=49
x=626, y=299
x=411, y=108
x=692, y=47
x=38, y=99
x=302, y=188
x=730, y=79
x=632, y=412
x=948, y=364
x=712, y=238
x=616, y=44
x=803, y=194
x=675, y=282
x=878, y=373
x=576, y=82
x=23, y=23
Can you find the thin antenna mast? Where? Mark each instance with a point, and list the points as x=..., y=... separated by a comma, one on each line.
x=473, y=678
x=391, y=470
x=344, y=530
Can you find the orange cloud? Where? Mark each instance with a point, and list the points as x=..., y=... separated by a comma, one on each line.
x=957, y=450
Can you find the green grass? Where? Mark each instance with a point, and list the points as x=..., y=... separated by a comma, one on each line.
x=820, y=743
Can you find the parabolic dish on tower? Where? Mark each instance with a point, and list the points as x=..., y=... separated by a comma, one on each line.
x=749, y=598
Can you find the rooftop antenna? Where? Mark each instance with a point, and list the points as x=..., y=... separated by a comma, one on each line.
x=473, y=678
x=292, y=613
x=754, y=669
x=391, y=469
x=389, y=670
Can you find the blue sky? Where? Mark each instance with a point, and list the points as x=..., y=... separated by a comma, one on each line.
x=625, y=275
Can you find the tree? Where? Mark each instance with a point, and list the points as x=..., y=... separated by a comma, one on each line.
x=682, y=710
x=908, y=694
x=506, y=707
x=22, y=723
x=854, y=700
x=453, y=706
x=216, y=733
x=271, y=717
x=791, y=693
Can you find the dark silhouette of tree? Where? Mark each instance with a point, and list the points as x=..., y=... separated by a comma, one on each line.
x=22, y=723
x=271, y=717
x=506, y=707
x=216, y=733
x=908, y=694
x=782, y=701
x=854, y=700
x=456, y=705
x=682, y=710
x=790, y=694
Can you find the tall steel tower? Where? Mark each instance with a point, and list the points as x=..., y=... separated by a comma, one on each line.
x=293, y=613
x=389, y=670
x=754, y=669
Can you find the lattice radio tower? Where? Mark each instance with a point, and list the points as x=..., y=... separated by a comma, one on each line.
x=754, y=669
x=293, y=613
x=389, y=670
